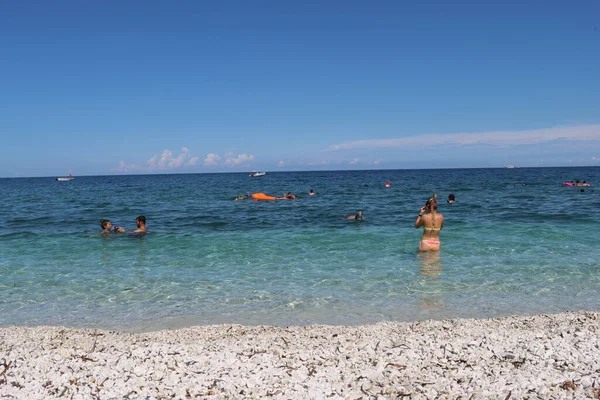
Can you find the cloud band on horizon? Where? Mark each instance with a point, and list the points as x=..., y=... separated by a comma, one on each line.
x=492, y=138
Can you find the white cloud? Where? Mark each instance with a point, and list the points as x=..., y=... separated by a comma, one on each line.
x=151, y=162
x=124, y=167
x=240, y=159
x=492, y=138
x=323, y=162
x=376, y=162
x=594, y=158
x=166, y=156
x=211, y=159
x=177, y=162
x=353, y=161
x=281, y=164
x=193, y=161
x=167, y=161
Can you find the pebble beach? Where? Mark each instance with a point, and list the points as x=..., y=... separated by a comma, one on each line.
x=554, y=356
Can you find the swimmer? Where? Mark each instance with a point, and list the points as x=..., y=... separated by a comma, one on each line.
x=358, y=216
x=387, y=184
x=243, y=197
x=107, y=227
x=290, y=196
x=585, y=184
x=140, y=222
x=311, y=192
x=451, y=198
x=432, y=223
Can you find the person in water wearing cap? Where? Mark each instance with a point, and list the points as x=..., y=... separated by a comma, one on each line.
x=358, y=216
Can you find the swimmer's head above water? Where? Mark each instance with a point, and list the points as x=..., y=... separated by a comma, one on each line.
x=107, y=227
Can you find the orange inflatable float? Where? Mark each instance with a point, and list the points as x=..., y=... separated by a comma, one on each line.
x=262, y=196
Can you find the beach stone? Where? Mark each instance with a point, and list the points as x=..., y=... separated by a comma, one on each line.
x=429, y=359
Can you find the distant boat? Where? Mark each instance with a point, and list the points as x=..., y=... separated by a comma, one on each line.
x=65, y=178
x=256, y=174
x=510, y=166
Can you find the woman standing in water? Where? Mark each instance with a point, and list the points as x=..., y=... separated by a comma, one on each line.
x=432, y=224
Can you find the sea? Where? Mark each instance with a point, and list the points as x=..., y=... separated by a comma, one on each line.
x=516, y=241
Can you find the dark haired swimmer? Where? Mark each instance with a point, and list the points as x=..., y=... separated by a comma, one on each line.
x=107, y=227
x=358, y=216
x=141, y=224
x=432, y=223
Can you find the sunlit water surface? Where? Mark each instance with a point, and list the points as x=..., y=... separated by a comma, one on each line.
x=516, y=242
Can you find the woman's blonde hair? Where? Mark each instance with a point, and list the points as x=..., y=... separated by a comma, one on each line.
x=432, y=208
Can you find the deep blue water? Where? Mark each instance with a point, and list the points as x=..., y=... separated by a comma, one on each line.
x=516, y=242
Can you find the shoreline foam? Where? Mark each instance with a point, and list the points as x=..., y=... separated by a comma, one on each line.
x=544, y=356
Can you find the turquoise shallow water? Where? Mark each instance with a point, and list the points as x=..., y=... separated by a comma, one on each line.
x=516, y=242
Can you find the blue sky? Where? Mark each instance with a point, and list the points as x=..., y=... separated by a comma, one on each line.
x=104, y=87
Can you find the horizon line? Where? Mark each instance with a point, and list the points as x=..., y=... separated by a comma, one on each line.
x=310, y=171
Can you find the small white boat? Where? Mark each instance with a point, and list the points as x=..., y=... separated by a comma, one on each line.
x=510, y=166
x=65, y=178
x=256, y=174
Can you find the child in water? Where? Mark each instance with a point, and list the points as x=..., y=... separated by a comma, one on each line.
x=107, y=227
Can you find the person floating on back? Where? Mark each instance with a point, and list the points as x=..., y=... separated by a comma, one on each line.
x=358, y=216
x=141, y=224
x=107, y=227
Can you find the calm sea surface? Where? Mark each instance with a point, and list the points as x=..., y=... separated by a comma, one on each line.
x=515, y=242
